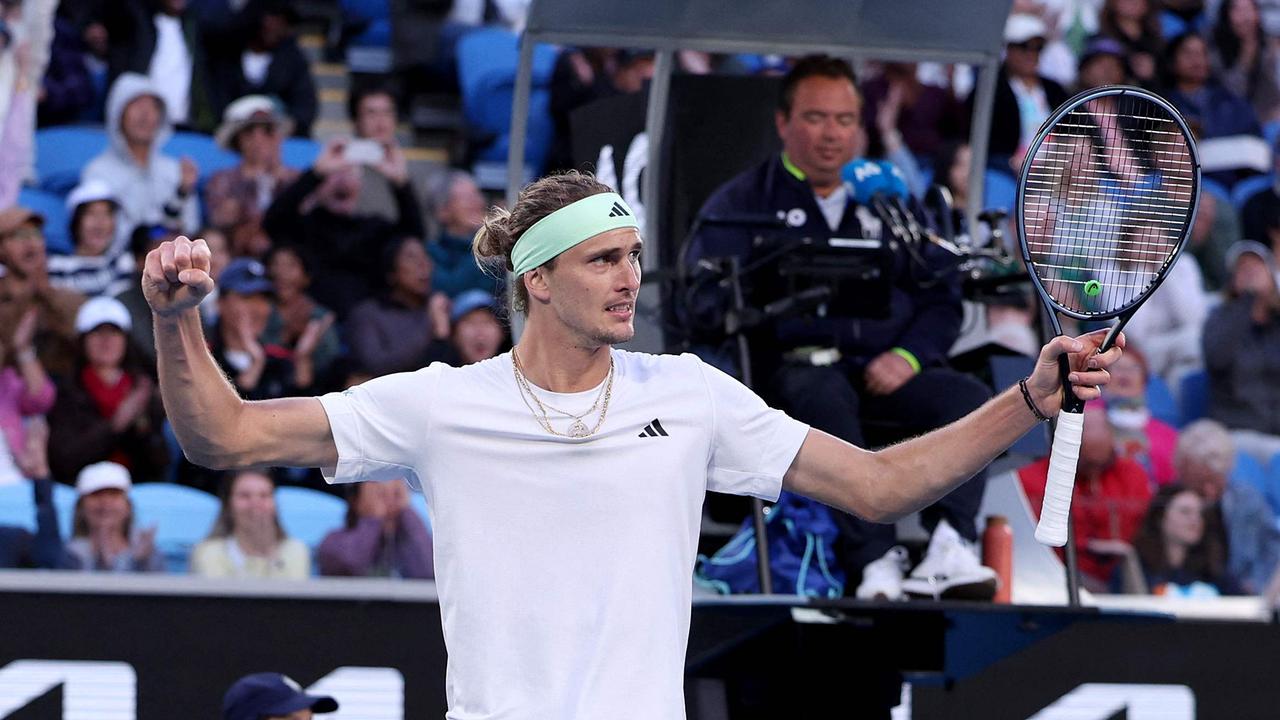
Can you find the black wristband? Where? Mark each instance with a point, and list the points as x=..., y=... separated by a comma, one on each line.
x=1026, y=395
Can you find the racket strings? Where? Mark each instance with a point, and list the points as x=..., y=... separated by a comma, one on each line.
x=1107, y=199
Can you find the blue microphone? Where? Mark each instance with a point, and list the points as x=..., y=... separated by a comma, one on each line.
x=895, y=181
x=866, y=178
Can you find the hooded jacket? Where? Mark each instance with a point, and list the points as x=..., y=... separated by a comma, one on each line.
x=143, y=191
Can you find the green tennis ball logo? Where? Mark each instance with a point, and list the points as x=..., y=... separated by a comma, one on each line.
x=1092, y=288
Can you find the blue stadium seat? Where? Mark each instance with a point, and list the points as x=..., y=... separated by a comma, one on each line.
x=1213, y=186
x=1194, y=396
x=487, y=61
x=299, y=153
x=63, y=151
x=369, y=50
x=1249, y=472
x=1247, y=188
x=1000, y=190
x=17, y=506
x=57, y=237
x=1273, y=483
x=1271, y=132
x=1160, y=401
x=308, y=515
x=419, y=503
x=201, y=148
x=64, y=504
x=181, y=515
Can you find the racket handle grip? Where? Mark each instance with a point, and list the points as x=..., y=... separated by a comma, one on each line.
x=1061, y=483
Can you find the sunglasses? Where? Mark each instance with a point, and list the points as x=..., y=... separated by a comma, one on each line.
x=1032, y=45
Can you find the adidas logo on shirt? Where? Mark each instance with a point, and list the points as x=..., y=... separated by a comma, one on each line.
x=618, y=211
x=653, y=429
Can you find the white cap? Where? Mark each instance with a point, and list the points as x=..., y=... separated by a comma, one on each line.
x=103, y=310
x=246, y=110
x=102, y=476
x=1021, y=27
x=90, y=191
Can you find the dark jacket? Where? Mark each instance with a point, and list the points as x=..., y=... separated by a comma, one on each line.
x=69, y=90
x=1243, y=362
x=923, y=318
x=288, y=78
x=455, y=269
x=21, y=549
x=80, y=436
x=1006, y=119
x=132, y=30
x=348, y=248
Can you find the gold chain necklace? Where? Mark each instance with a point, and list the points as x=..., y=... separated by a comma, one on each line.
x=577, y=429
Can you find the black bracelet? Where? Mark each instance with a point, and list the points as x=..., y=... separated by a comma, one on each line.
x=1026, y=395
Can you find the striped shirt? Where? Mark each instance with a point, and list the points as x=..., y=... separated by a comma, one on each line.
x=92, y=275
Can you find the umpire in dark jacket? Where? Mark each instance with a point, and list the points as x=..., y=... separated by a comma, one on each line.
x=892, y=375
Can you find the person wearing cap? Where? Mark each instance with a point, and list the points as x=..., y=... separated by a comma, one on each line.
x=260, y=370
x=272, y=696
x=476, y=334
x=405, y=326
x=103, y=538
x=547, y=464
x=254, y=127
x=1242, y=352
x=1102, y=63
x=263, y=58
x=152, y=188
x=1024, y=97
x=25, y=287
x=107, y=407
x=101, y=263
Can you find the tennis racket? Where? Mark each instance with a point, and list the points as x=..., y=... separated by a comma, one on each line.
x=1106, y=199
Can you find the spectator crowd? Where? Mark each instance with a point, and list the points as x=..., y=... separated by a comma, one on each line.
x=356, y=265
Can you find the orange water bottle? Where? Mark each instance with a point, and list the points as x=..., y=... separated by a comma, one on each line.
x=997, y=554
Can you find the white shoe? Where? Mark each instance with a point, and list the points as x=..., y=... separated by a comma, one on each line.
x=882, y=578
x=951, y=569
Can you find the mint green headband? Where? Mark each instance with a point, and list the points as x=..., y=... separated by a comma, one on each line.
x=569, y=226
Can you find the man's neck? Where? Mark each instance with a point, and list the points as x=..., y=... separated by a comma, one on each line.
x=141, y=153
x=556, y=362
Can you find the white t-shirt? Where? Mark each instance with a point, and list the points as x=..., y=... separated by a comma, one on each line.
x=833, y=205
x=170, y=68
x=564, y=566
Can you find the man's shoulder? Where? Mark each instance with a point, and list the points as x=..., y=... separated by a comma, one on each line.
x=659, y=367
x=747, y=184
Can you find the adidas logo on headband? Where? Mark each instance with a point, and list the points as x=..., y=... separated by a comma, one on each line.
x=618, y=211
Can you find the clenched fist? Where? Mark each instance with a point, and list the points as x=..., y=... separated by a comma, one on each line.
x=176, y=276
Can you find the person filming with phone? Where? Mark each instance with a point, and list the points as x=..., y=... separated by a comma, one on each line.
x=319, y=212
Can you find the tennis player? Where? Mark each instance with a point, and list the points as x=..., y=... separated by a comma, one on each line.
x=566, y=478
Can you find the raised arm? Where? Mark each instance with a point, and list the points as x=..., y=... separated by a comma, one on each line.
x=215, y=427
x=888, y=484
